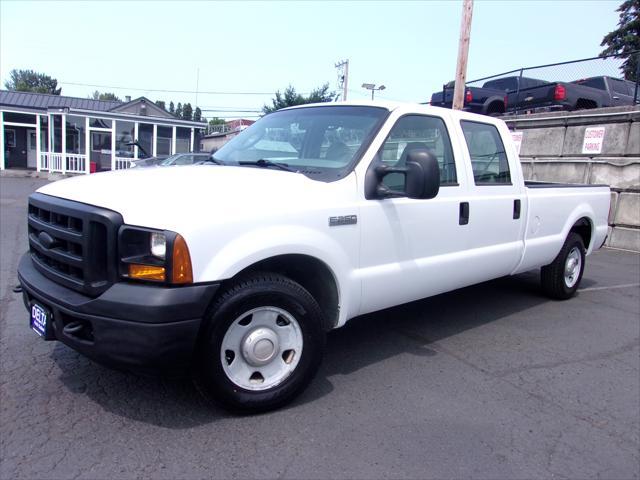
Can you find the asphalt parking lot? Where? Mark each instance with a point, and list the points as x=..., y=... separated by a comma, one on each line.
x=492, y=381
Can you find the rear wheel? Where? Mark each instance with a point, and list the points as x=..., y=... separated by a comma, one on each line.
x=263, y=344
x=561, y=278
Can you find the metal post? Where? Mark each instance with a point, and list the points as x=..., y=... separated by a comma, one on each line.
x=38, y=146
x=155, y=140
x=346, y=81
x=135, y=139
x=1, y=141
x=173, y=141
x=463, y=54
x=87, y=146
x=113, y=144
x=517, y=101
x=636, y=99
x=191, y=141
x=63, y=152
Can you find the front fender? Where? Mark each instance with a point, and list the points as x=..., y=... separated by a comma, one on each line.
x=264, y=243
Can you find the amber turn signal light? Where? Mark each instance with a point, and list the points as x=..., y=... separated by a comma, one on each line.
x=146, y=272
x=181, y=268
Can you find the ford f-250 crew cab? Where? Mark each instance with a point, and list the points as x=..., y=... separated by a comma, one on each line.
x=236, y=269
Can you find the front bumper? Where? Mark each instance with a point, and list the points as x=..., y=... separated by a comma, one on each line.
x=142, y=328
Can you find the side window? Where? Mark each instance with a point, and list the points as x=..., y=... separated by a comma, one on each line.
x=418, y=132
x=488, y=157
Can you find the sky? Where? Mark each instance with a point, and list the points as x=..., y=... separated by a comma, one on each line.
x=239, y=47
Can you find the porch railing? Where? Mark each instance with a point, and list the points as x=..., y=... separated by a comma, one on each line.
x=53, y=162
x=75, y=163
x=123, y=163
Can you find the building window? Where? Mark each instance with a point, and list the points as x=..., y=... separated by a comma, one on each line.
x=145, y=140
x=57, y=133
x=183, y=140
x=75, y=133
x=44, y=133
x=124, y=139
x=9, y=137
x=165, y=136
x=19, y=118
x=99, y=123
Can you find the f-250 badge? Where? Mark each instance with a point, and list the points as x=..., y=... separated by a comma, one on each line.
x=343, y=220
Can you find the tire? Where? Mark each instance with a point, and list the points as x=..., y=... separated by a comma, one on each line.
x=263, y=317
x=561, y=278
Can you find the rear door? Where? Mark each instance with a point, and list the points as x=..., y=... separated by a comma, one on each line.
x=494, y=210
x=620, y=93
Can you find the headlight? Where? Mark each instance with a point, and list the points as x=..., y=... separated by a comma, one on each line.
x=153, y=255
x=158, y=245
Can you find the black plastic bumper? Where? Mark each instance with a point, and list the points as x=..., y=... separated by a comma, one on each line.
x=147, y=329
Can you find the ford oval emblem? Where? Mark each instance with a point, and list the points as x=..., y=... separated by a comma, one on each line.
x=46, y=240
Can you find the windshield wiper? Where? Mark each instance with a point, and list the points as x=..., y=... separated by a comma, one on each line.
x=263, y=163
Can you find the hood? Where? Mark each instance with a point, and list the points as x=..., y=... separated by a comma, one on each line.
x=161, y=197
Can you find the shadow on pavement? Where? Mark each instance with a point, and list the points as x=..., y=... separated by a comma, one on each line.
x=364, y=341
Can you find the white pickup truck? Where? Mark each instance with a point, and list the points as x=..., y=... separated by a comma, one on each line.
x=236, y=269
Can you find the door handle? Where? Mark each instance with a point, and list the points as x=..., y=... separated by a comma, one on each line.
x=463, y=219
x=516, y=209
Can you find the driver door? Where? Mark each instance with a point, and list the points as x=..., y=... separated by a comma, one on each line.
x=412, y=248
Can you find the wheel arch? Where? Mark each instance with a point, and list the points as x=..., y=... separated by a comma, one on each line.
x=583, y=227
x=310, y=272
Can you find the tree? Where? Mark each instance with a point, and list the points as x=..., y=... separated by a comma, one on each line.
x=197, y=115
x=161, y=104
x=172, y=108
x=31, y=81
x=105, y=96
x=290, y=98
x=216, y=121
x=187, y=112
x=179, y=110
x=626, y=38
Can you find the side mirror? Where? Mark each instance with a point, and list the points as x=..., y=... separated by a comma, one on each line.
x=422, y=177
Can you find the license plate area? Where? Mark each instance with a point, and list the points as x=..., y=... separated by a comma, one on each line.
x=40, y=320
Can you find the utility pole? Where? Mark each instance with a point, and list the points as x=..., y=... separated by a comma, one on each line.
x=343, y=77
x=463, y=54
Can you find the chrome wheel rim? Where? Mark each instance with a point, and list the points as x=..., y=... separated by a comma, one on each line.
x=261, y=348
x=572, y=267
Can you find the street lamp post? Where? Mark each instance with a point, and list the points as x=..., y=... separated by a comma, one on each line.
x=373, y=88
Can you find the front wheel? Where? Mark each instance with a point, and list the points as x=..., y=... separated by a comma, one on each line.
x=263, y=344
x=561, y=278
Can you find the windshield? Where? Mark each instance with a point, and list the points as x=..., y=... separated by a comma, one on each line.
x=321, y=142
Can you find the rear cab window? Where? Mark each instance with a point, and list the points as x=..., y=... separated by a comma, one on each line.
x=489, y=160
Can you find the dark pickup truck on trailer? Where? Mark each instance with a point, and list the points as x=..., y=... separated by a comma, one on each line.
x=529, y=94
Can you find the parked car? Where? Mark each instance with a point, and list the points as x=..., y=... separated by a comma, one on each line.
x=490, y=99
x=184, y=159
x=147, y=162
x=172, y=160
x=516, y=93
x=576, y=95
x=236, y=271
x=621, y=92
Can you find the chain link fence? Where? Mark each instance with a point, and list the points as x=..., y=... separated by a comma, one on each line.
x=578, y=84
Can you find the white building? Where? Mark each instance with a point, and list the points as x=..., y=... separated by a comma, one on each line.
x=78, y=135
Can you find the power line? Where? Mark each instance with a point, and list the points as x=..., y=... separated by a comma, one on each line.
x=163, y=90
x=229, y=111
x=160, y=90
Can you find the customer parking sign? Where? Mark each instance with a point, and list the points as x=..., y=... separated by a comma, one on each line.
x=593, y=140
